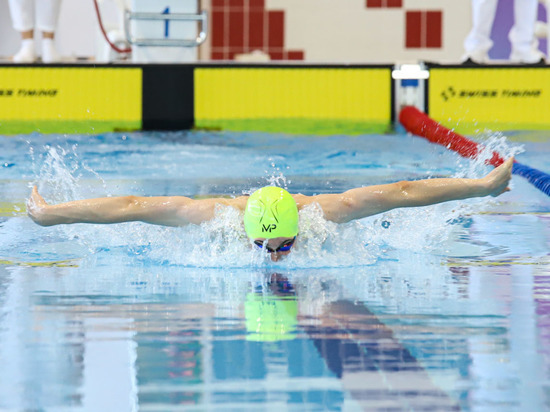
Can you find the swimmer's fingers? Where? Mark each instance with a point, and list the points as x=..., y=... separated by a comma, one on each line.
x=36, y=206
x=499, y=178
x=36, y=198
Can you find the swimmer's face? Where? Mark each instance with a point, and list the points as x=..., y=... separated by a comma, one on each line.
x=277, y=247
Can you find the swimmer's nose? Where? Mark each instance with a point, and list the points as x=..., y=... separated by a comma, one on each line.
x=278, y=255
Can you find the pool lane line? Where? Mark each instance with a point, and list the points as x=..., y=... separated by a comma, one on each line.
x=510, y=213
x=12, y=209
x=69, y=263
x=500, y=262
x=419, y=124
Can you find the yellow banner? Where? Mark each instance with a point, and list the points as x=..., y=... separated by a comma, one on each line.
x=476, y=99
x=278, y=99
x=61, y=96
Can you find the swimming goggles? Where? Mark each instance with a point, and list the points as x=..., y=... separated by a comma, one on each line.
x=284, y=247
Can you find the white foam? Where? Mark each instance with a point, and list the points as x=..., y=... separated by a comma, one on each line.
x=222, y=242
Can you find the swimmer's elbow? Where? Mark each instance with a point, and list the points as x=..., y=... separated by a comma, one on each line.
x=345, y=209
x=406, y=194
x=389, y=197
x=131, y=201
x=165, y=211
x=133, y=208
x=402, y=189
x=114, y=210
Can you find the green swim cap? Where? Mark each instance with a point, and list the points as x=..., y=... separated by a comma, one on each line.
x=270, y=318
x=271, y=212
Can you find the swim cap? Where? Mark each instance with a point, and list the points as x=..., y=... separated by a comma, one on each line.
x=270, y=318
x=271, y=212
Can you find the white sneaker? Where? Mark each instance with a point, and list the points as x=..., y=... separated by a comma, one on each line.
x=49, y=52
x=532, y=56
x=27, y=52
x=475, y=57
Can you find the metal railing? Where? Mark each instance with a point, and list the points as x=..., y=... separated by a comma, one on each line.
x=201, y=18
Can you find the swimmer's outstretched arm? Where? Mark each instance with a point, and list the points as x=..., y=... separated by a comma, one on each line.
x=367, y=201
x=163, y=210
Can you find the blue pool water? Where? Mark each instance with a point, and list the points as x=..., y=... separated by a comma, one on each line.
x=439, y=308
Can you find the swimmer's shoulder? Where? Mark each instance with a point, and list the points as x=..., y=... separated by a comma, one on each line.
x=302, y=200
x=238, y=202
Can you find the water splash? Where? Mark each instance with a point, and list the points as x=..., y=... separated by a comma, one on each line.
x=61, y=172
x=275, y=176
x=222, y=242
x=490, y=142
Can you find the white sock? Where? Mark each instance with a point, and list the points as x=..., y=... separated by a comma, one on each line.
x=27, y=52
x=49, y=52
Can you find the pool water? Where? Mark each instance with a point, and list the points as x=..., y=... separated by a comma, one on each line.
x=439, y=308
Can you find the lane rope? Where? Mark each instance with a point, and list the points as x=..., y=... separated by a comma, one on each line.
x=420, y=124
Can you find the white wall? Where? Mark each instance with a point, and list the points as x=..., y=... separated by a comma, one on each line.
x=346, y=31
x=328, y=30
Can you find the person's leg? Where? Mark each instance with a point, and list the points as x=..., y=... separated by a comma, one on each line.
x=522, y=35
x=47, y=13
x=22, y=16
x=478, y=42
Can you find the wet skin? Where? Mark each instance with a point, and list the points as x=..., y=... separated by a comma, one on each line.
x=274, y=244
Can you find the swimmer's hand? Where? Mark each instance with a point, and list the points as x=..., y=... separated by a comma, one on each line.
x=37, y=208
x=498, y=180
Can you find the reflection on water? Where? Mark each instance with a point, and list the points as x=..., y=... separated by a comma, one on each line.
x=385, y=338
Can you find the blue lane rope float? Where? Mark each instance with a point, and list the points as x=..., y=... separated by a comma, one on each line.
x=419, y=124
x=537, y=178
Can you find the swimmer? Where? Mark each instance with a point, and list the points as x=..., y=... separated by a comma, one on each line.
x=270, y=213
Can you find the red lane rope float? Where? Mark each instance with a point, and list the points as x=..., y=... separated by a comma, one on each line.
x=419, y=124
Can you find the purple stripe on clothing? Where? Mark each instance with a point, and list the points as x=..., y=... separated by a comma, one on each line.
x=504, y=20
